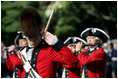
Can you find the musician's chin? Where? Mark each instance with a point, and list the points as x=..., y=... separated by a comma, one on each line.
x=90, y=44
x=34, y=45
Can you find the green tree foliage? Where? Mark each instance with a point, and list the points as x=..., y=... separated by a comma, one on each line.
x=10, y=17
x=70, y=17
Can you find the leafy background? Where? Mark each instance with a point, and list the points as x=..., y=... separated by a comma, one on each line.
x=70, y=17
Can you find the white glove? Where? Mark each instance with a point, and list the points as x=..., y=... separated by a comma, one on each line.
x=50, y=38
x=54, y=41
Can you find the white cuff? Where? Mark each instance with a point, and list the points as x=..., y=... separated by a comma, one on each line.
x=54, y=41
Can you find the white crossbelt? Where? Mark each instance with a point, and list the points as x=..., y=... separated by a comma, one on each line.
x=27, y=65
x=64, y=73
x=83, y=73
x=114, y=58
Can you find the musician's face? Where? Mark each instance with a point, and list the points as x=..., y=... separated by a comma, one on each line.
x=33, y=42
x=72, y=47
x=92, y=40
x=22, y=42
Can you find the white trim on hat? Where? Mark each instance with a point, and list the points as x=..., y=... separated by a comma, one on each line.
x=84, y=31
x=24, y=36
x=94, y=30
x=67, y=39
x=75, y=38
x=15, y=41
x=20, y=32
x=103, y=32
x=81, y=40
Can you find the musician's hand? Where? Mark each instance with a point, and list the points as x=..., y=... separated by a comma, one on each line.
x=50, y=38
x=11, y=48
x=78, y=46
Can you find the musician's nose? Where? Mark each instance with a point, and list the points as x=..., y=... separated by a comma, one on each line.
x=89, y=41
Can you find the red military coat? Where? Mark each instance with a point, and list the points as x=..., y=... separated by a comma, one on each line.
x=95, y=62
x=9, y=64
x=47, y=60
x=13, y=61
x=74, y=72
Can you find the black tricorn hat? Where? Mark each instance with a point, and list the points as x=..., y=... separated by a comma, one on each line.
x=71, y=40
x=95, y=32
x=18, y=37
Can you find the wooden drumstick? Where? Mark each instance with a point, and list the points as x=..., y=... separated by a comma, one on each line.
x=49, y=20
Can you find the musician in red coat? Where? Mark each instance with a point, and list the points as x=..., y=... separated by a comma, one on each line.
x=43, y=54
x=21, y=42
x=71, y=43
x=93, y=60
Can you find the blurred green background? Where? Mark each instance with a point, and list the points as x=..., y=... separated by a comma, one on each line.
x=70, y=17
